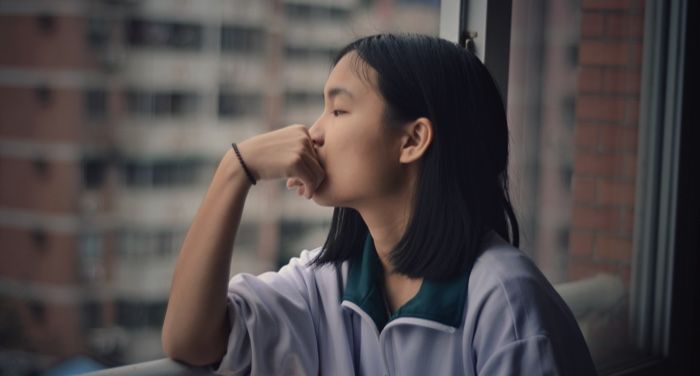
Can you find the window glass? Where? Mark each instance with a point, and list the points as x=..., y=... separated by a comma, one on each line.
x=164, y=34
x=573, y=109
x=95, y=102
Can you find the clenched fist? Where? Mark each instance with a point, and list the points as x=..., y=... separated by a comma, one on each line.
x=285, y=153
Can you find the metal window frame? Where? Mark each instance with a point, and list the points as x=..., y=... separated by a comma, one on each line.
x=484, y=27
x=657, y=166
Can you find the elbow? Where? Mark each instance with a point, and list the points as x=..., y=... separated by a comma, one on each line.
x=192, y=352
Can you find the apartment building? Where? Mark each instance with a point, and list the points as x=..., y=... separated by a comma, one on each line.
x=114, y=116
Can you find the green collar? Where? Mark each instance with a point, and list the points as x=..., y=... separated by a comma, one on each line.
x=436, y=301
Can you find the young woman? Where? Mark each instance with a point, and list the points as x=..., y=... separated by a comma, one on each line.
x=419, y=275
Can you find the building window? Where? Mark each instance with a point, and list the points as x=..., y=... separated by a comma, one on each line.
x=303, y=98
x=140, y=314
x=310, y=52
x=162, y=173
x=169, y=35
x=236, y=104
x=242, y=39
x=91, y=261
x=162, y=104
x=98, y=32
x=94, y=172
x=46, y=23
x=309, y=12
x=44, y=94
x=91, y=315
x=138, y=244
x=38, y=310
x=95, y=103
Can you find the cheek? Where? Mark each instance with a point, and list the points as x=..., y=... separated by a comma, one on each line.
x=357, y=167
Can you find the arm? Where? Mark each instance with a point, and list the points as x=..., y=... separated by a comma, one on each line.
x=196, y=326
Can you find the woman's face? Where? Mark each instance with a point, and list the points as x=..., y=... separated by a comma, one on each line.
x=360, y=154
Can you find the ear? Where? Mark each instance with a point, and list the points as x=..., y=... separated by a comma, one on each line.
x=416, y=139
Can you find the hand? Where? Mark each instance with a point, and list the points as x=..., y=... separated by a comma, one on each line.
x=285, y=153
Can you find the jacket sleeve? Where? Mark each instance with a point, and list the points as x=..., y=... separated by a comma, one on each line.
x=272, y=327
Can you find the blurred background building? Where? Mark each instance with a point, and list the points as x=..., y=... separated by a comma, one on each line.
x=114, y=116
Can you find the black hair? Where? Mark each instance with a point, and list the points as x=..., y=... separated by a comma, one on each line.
x=462, y=188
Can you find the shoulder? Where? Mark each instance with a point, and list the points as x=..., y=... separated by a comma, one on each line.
x=506, y=283
x=514, y=315
x=299, y=277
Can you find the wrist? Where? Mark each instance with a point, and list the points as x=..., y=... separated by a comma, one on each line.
x=232, y=171
x=248, y=172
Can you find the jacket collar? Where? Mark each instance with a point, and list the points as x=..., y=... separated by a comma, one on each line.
x=440, y=301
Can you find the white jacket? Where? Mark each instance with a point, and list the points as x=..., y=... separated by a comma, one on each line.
x=502, y=318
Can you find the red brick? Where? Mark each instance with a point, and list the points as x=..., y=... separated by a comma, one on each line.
x=592, y=24
x=24, y=44
x=53, y=188
x=623, y=81
x=613, y=247
x=626, y=222
x=629, y=167
x=52, y=261
x=23, y=116
x=617, y=138
x=586, y=136
x=624, y=25
x=632, y=111
x=581, y=243
x=594, y=218
x=636, y=51
x=605, y=53
x=589, y=164
x=603, y=108
x=583, y=190
x=590, y=79
x=612, y=192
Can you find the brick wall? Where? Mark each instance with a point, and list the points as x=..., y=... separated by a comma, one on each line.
x=44, y=185
x=605, y=151
x=605, y=139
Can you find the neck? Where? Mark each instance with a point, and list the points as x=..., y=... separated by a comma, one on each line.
x=387, y=220
x=386, y=226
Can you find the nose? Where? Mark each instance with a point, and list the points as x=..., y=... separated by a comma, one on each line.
x=316, y=133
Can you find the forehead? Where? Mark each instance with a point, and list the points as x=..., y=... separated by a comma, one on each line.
x=352, y=73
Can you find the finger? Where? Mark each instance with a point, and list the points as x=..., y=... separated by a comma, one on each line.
x=317, y=171
x=302, y=171
x=293, y=182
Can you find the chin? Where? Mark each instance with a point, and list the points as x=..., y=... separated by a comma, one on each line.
x=324, y=196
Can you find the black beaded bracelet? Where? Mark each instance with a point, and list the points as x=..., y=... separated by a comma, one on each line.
x=245, y=168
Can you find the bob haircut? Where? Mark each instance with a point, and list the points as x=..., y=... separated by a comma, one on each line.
x=462, y=187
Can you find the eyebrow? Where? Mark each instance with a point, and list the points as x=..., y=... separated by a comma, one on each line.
x=335, y=91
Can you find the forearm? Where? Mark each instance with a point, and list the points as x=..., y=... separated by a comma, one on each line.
x=195, y=329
